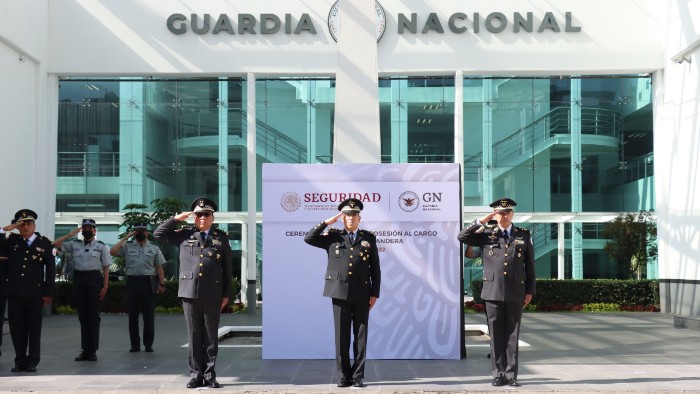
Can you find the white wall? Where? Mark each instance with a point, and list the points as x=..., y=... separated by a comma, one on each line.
x=677, y=164
x=130, y=37
x=26, y=143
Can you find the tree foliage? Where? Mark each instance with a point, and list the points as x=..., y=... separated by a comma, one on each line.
x=632, y=241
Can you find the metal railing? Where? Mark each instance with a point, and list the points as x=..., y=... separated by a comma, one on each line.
x=630, y=171
x=594, y=121
x=88, y=164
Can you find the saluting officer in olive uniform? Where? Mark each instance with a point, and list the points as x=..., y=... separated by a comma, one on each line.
x=31, y=273
x=353, y=277
x=143, y=261
x=91, y=261
x=509, y=283
x=205, y=285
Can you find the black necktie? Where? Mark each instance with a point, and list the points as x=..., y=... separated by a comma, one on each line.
x=505, y=234
x=352, y=238
x=203, y=234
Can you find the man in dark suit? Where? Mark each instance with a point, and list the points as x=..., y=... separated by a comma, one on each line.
x=30, y=280
x=353, y=277
x=205, y=285
x=509, y=283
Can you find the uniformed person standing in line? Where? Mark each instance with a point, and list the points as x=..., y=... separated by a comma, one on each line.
x=143, y=261
x=509, y=283
x=91, y=261
x=3, y=300
x=30, y=281
x=353, y=277
x=205, y=285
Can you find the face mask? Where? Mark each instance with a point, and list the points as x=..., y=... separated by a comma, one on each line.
x=140, y=236
x=87, y=234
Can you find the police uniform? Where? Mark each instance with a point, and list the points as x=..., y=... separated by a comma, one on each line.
x=30, y=276
x=205, y=278
x=89, y=258
x=353, y=275
x=141, y=286
x=509, y=274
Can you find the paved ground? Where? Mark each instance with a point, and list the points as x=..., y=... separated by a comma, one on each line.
x=568, y=352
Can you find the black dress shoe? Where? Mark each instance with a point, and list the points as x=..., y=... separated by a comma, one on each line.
x=357, y=383
x=512, y=382
x=194, y=383
x=344, y=382
x=17, y=368
x=86, y=357
x=135, y=349
x=31, y=369
x=499, y=381
x=213, y=383
x=149, y=349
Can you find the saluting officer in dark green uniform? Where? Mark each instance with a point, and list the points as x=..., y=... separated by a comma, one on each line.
x=143, y=261
x=353, y=278
x=205, y=285
x=509, y=283
x=31, y=273
x=90, y=283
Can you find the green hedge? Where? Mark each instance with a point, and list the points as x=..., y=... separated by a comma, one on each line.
x=115, y=300
x=552, y=294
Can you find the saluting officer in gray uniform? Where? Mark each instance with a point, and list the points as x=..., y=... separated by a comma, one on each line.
x=31, y=273
x=143, y=261
x=205, y=285
x=353, y=277
x=91, y=260
x=509, y=283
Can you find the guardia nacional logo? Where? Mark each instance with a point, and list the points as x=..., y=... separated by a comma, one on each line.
x=334, y=20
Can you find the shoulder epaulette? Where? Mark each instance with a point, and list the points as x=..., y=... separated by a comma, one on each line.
x=522, y=229
x=220, y=231
x=334, y=230
x=100, y=242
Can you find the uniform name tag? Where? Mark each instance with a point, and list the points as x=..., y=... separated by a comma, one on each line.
x=519, y=242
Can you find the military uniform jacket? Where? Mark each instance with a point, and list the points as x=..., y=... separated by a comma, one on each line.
x=205, y=265
x=30, y=271
x=509, y=266
x=353, y=271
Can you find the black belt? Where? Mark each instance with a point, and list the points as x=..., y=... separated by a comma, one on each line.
x=85, y=272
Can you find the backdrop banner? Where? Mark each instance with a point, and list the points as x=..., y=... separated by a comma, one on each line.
x=414, y=209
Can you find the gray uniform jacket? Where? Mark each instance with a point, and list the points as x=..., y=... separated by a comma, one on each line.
x=30, y=271
x=509, y=267
x=353, y=271
x=205, y=265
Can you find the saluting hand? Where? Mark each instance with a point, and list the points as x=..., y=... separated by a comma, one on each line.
x=10, y=227
x=75, y=231
x=333, y=219
x=486, y=218
x=183, y=216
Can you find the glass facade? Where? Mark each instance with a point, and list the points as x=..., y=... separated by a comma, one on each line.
x=555, y=145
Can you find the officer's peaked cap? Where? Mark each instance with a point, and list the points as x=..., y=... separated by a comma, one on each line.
x=25, y=215
x=89, y=222
x=503, y=204
x=351, y=206
x=203, y=204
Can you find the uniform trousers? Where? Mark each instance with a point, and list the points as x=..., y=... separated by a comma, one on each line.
x=140, y=300
x=25, y=315
x=86, y=297
x=504, y=329
x=3, y=302
x=202, y=318
x=350, y=316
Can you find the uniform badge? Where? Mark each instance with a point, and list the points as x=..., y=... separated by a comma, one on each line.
x=216, y=242
x=365, y=244
x=519, y=242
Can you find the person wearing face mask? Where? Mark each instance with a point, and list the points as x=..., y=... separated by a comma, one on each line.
x=352, y=282
x=205, y=285
x=90, y=283
x=30, y=279
x=509, y=283
x=144, y=261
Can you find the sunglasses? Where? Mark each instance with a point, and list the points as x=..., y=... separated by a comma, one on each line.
x=200, y=214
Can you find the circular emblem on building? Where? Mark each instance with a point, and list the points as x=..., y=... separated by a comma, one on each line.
x=290, y=201
x=334, y=20
x=408, y=201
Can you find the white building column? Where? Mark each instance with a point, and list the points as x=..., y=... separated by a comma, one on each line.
x=576, y=169
x=249, y=231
